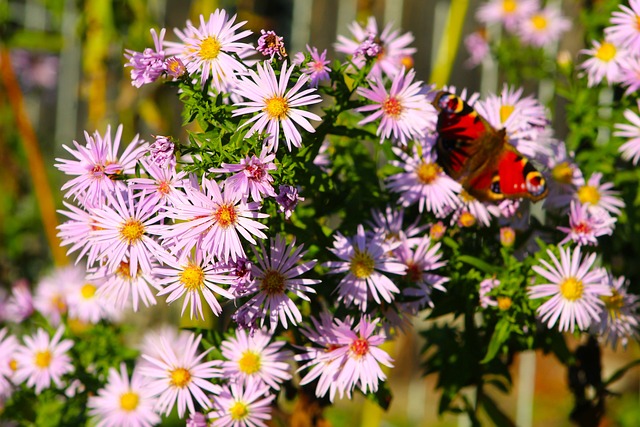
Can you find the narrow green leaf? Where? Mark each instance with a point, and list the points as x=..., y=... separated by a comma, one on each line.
x=479, y=264
x=499, y=337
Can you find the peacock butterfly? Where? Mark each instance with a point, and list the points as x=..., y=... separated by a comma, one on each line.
x=479, y=157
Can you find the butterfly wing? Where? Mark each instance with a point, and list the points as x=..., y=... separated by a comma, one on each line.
x=473, y=153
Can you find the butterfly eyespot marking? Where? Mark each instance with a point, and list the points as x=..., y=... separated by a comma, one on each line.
x=536, y=184
x=495, y=185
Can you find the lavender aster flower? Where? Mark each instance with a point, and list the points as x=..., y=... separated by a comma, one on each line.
x=242, y=405
x=148, y=65
x=364, y=259
x=274, y=276
x=624, y=30
x=574, y=289
x=619, y=320
x=276, y=106
x=251, y=176
x=586, y=225
x=316, y=68
x=631, y=148
x=288, y=199
x=162, y=152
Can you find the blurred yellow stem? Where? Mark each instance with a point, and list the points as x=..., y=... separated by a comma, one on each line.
x=441, y=71
x=37, y=168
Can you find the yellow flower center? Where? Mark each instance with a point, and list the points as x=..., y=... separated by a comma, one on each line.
x=437, y=231
x=132, y=230
x=276, y=108
x=225, y=215
x=239, y=411
x=407, y=62
x=272, y=283
x=588, y=194
x=88, y=291
x=129, y=401
x=249, y=363
x=571, y=289
x=509, y=6
x=427, y=172
x=43, y=359
x=59, y=303
x=164, y=188
x=606, y=52
x=563, y=173
x=504, y=303
x=13, y=364
x=466, y=197
x=180, y=377
x=210, y=48
x=613, y=303
x=505, y=112
x=391, y=107
x=539, y=22
x=124, y=270
x=467, y=219
x=362, y=265
x=192, y=277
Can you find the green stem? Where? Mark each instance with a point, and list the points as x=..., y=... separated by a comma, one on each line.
x=448, y=49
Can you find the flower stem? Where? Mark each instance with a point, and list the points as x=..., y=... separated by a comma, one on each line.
x=448, y=49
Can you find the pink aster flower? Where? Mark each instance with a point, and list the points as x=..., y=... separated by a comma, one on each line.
x=599, y=195
x=619, y=320
x=630, y=150
x=393, y=48
x=276, y=105
x=478, y=48
x=624, y=30
x=180, y=377
x=124, y=231
x=245, y=404
x=420, y=259
x=148, y=65
x=19, y=306
x=120, y=286
x=270, y=44
x=210, y=48
x=564, y=177
x=316, y=68
x=85, y=305
x=161, y=188
x=630, y=74
x=404, y=112
x=574, y=288
x=423, y=182
x=586, y=225
x=364, y=259
x=470, y=211
x=8, y=363
x=275, y=276
x=254, y=357
x=162, y=152
x=605, y=61
x=124, y=401
x=355, y=361
x=507, y=12
x=153, y=342
x=43, y=359
x=543, y=27
x=97, y=165
x=194, y=279
x=251, y=177
x=212, y=221
x=76, y=233
x=390, y=225
x=486, y=286
x=50, y=296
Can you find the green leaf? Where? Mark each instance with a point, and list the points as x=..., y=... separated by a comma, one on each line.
x=496, y=414
x=500, y=336
x=479, y=264
x=620, y=372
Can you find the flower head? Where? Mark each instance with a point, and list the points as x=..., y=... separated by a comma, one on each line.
x=254, y=357
x=276, y=277
x=124, y=401
x=574, y=288
x=364, y=259
x=97, y=166
x=403, y=111
x=619, y=320
x=180, y=376
x=43, y=359
x=625, y=30
x=287, y=199
x=148, y=65
x=8, y=362
x=599, y=195
x=276, y=105
x=507, y=12
x=605, y=61
x=316, y=68
x=251, y=177
x=245, y=404
x=586, y=225
x=162, y=152
x=631, y=148
x=19, y=305
x=270, y=44
x=543, y=27
x=210, y=48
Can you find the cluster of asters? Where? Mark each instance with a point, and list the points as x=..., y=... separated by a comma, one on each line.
x=142, y=228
